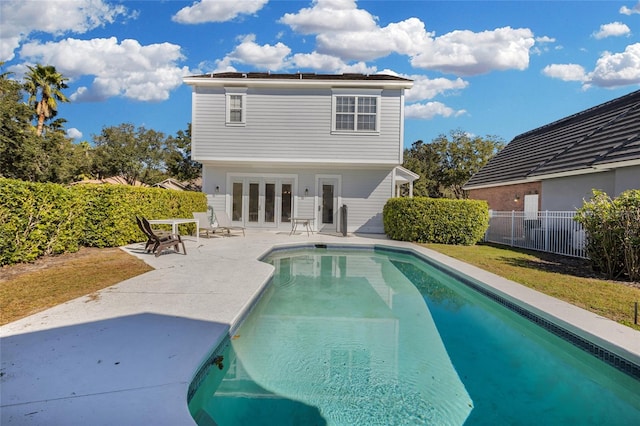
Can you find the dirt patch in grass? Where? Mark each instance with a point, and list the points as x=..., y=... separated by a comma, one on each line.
x=51, y=280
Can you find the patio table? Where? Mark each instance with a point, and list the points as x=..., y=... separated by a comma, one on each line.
x=304, y=221
x=174, y=222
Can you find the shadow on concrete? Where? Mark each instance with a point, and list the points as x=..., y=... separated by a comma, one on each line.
x=54, y=376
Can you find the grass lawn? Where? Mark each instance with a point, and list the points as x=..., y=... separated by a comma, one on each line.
x=29, y=288
x=564, y=278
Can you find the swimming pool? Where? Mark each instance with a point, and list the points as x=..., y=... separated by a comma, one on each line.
x=382, y=337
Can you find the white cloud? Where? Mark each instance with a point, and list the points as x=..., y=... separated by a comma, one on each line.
x=617, y=69
x=329, y=16
x=614, y=29
x=328, y=63
x=634, y=10
x=611, y=70
x=19, y=18
x=74, y=133
x=545, y=39
x=426, y=88
x=266, y=57
x=129, y=69
x=216, y=11
x=430, y=110
x=350, y=33
x=407, y=37
x=565, y=72
x=317, y=61
x=468, y=53
x=278, y=57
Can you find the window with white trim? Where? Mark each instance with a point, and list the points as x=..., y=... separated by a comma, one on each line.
x=356, y=113
x=236, y=106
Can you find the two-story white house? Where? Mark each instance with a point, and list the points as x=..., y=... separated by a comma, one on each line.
x=281, y=146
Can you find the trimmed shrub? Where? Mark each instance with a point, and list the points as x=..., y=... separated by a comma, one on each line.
x=39, y=219
x=436, y=220
x=613, y=233
x=110, y=210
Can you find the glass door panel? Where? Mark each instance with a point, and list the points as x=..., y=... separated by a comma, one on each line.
x=286, y=203
x=236, y=202
x=327, y=204
x=270, y=203
x=254, y=202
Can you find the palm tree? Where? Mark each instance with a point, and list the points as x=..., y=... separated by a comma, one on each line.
x=49, y=83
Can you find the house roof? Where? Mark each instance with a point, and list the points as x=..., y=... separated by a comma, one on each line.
x=302, y=76
x=113, y=180
x=267, y=78
x=170, y=183
x=405, y=175
x=600, y=138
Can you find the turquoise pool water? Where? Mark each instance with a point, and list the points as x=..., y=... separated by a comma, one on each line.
x=364, y=337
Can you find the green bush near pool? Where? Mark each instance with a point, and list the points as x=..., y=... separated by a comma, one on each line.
x=431, y=220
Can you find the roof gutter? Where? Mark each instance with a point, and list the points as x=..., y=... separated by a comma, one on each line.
x=608, y=166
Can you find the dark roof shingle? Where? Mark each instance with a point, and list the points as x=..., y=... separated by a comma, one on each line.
x=607, y=133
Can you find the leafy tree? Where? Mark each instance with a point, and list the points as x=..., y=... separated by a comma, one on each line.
x=135, y=154
x=423, y=159
x=18, y=143
x=46, y=82
x=179, y=162
x=448, y=162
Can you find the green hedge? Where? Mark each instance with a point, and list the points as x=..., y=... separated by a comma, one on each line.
x=431, y=220
x=40, y=219
x=37, y=219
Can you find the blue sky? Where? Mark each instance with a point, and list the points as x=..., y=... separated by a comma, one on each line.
x=486, y=67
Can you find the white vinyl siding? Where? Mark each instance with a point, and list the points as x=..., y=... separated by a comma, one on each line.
x=292, y=126
x=364, y=191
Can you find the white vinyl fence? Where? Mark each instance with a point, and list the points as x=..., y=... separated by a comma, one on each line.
x=550, y=231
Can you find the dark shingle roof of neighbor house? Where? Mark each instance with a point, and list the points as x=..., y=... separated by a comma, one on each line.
x=605, y=134
x=302, y=76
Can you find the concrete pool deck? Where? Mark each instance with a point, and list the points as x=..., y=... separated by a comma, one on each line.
x=127, y=354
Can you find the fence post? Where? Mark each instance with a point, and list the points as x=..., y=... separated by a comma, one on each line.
x=513, y=224
x=546, y=230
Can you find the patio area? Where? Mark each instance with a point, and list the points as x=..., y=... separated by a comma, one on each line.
x=127, y=354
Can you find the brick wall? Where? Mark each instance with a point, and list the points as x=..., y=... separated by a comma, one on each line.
x=508, y=197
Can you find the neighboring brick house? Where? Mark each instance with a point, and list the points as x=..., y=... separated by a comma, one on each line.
x=556, y=166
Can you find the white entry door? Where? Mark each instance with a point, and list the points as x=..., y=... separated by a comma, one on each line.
x=328, y=195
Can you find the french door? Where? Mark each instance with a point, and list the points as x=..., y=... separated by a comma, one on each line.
x=262, y=202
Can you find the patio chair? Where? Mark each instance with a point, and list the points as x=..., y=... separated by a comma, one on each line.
x=225, y=223
x=204, y=224
x=150, y=239
x=162, y=242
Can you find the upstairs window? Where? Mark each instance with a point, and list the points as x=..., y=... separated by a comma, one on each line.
x=356, y=113
x=236, y=107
